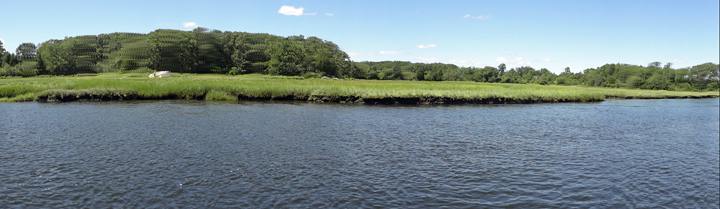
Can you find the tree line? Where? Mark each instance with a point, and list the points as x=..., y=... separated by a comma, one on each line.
x=653, y=76
x=197, y=51
x=212, y=51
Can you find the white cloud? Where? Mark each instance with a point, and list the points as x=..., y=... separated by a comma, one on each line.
x=390, y=52
x=189, y=24
x=432, y=59
x=426, y=46
x=517, y=60
x=481, y=17
x=477, y=63
x=329, y=14
x=291, y=10
x=547, y=60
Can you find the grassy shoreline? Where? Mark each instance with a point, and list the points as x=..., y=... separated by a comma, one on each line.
x=105, y=87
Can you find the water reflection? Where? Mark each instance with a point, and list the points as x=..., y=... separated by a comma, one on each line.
x=619, y=153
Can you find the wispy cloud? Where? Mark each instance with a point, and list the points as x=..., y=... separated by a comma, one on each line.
x=353, y=54
x=329, y=14
x=432, y=59
x=426, y=46
x=390, y=52
x=481, y=17
x=189, y=25
x=517, y=60
x=547, y=60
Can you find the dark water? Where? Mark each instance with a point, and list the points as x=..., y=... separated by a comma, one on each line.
x=188, y=154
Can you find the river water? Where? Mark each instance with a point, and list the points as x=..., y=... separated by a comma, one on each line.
x=194, y=154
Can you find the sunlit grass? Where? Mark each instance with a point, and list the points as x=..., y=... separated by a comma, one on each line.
x=223, y=87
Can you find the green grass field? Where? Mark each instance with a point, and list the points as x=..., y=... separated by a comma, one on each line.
x=114, y=86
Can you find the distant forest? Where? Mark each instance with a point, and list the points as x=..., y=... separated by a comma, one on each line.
x=213, y=51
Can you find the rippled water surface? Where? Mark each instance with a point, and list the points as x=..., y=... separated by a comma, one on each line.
x=188, y=154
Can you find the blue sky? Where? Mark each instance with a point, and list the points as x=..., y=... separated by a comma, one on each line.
x=541, y=34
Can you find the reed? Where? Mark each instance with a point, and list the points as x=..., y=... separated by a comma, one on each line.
x=223, y=87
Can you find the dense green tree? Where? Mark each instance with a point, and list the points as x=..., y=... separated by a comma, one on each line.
x=372, y=73
x=57, y=57
x=208, y=49
x=26, y=52
x=286, y=58
x=434, y=74
x=501, y=68
x=171, y=50
x=324, y=63
x=237, y=48
x=420, y=73
x=2, y=49
x=654, y=65
x=396, y=73
x=84, y=53
x=490, y=74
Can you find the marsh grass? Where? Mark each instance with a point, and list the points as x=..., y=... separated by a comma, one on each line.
x=216, y=95
x=223, y=87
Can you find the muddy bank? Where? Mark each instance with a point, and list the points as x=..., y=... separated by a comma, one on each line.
x=104, y=95
x=665, y=97
x=119, y=95
x=409, y=100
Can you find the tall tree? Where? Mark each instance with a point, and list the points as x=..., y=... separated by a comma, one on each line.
x=57, y=57
x=324, y=62
x=654, y=64
x=26, y=52
x=209, y=50
x=501, y=68
x=2, y=49
x=239, y=53
x=420, y=73
x=668, y=65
